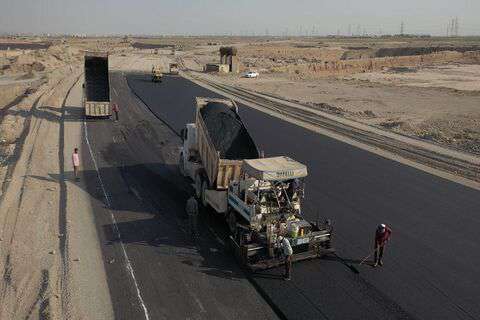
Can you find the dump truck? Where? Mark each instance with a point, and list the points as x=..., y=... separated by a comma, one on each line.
x=259, y=198
x=174, y=69
x=157, y=74
x=96, y=87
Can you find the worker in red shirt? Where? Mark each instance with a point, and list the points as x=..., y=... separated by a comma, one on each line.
x=115, y=110
x=382, y=235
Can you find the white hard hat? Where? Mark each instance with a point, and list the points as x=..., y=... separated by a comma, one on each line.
x=382, y=226
x=280, y=238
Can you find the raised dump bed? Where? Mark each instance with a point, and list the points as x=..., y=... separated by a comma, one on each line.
x=96, y=90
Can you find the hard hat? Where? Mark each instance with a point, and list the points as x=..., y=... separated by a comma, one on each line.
x=280, y=238
x=382, y=226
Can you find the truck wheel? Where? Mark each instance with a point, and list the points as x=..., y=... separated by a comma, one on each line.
x=232, y=221
x=204, y=196
x=198, y=185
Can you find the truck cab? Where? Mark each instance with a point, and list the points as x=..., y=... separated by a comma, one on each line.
x=157, y=74
x=174, y=70
x=189, y=161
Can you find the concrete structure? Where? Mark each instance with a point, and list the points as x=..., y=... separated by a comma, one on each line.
x=225, y=68
x=228, y=56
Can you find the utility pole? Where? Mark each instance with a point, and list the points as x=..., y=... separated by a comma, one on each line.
x=349, y=30
x=452, y=27
x=402, y=28
x=456, y=27
x=359, y=30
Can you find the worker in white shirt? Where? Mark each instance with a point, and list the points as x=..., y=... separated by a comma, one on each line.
x=287, y=252
x=75, y=162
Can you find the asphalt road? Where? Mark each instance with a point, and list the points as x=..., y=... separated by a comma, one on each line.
x=431, y=263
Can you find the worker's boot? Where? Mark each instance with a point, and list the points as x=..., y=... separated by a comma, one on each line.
x=380, y=263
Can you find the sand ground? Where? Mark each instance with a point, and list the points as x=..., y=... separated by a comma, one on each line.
x=49, y=254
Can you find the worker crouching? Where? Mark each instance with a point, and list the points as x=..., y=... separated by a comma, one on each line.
x=287, y=252
x=382, y=235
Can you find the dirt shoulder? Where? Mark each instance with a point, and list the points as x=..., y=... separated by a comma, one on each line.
x=49, y=254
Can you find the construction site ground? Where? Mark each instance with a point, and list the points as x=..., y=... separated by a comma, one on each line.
x=115, y=245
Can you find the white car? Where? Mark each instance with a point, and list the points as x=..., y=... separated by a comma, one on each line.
x=251, y=74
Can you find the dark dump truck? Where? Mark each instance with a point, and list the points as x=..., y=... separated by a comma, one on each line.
x=96, y=88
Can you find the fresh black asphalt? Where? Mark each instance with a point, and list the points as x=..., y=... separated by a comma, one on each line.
x=431, y=262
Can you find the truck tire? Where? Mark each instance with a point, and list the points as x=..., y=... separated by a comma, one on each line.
x=232, y=222
x=181, y=165
x=198, y=185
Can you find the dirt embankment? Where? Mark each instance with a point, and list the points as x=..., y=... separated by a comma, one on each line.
x=18, y=96
x=346, y=67
x=418, y=51
x=31, y=258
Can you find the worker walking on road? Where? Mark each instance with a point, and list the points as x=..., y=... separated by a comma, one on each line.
x=115, y=110
x=287, y=252
x=382, y=235
x=76, y=163
x=192, y=212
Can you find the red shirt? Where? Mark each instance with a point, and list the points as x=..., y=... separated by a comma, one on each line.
x=115, y=107
x=382, y=237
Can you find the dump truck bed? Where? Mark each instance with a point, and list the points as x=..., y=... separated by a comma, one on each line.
x=96, y=93
x=222, y=141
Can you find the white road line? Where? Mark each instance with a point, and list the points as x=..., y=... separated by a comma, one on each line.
x=115, y=226
x=200, y=305
x=115, y=91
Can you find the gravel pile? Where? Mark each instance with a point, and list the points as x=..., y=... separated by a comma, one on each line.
x=96, y=79
x=228, y=133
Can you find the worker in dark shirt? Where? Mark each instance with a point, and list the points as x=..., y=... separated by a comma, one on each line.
x=382, y=235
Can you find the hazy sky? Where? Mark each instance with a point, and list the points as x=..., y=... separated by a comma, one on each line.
x=237, y=17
